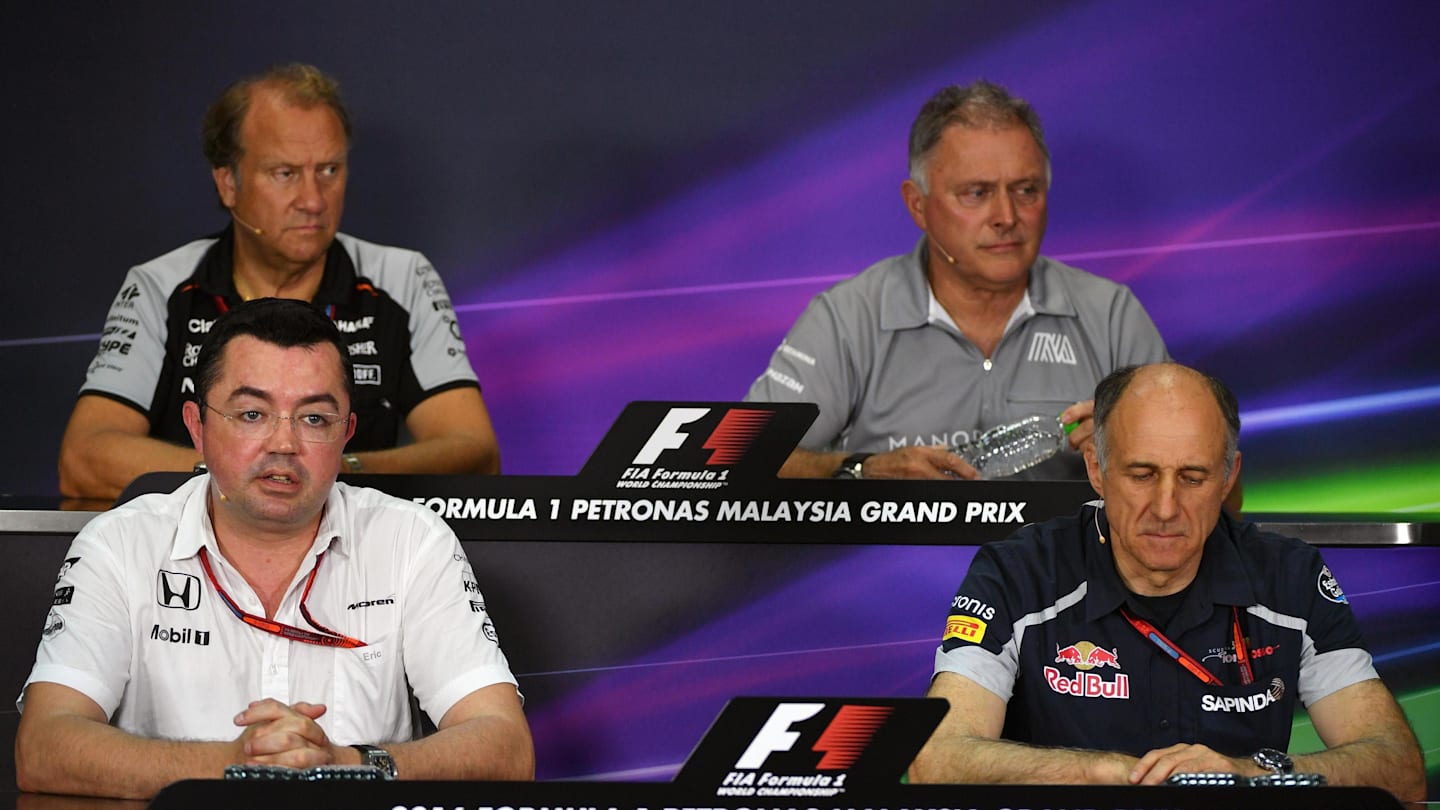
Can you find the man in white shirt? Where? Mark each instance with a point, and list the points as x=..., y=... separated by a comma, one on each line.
x=264, y=613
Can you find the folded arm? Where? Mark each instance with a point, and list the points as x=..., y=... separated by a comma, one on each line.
x=452, y=435
x=65, y=745
x=1367, y=741
x=107, y=445
x=966, y=747
x=484, y=736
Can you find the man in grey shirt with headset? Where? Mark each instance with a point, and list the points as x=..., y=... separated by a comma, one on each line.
x=972, y=329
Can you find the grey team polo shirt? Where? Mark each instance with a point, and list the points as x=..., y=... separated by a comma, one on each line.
x=389, y=304
x=887, y=375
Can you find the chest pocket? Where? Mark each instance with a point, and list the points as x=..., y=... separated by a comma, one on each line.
x=1236, y=720
x=371, y=701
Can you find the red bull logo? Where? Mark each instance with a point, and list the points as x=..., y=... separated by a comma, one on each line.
x=1086, y=656
x=1088, y=684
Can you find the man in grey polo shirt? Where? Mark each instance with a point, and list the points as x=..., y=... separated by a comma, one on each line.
x=972, y=329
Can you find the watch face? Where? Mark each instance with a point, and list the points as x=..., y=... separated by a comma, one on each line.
x=1277, y=761
x=378, y=758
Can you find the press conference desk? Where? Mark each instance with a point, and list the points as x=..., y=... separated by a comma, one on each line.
x=630, y=616
x=217, y=795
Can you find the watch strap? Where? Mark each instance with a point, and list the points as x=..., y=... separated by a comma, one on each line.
x=378, y=758
x=853, y=466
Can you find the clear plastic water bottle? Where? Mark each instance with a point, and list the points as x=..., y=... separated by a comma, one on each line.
x=1008, y=449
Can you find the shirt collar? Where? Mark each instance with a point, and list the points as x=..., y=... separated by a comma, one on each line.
x=216, y=272
x=904, y=294
x=1023, y=310
x=195, y=530
x=907, y=302
x=1221, y=578
x=1047, y=295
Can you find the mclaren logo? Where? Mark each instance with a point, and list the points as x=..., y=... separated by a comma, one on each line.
x=180, y=591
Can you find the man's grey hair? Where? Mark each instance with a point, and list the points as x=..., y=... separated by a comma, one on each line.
x=980, y=105
x=1112, y=388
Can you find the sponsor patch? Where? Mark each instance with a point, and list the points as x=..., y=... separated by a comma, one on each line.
x=964, y=628
x=176, y=590
x=488, y=628
x=1329, y=587
x=65, y=567
x=785, y=380
x=1247, y=703
x=790, y=351
x=63, y=595
x=367, y=374
x=1047, y=347
x=974, y=606
x=180, y=635
x=54, y=624
x=1227, y=654
x=1088, y=684
x=1084, y=656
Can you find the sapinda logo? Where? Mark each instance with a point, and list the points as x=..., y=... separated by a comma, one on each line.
x=841, y=743
x=728, y=442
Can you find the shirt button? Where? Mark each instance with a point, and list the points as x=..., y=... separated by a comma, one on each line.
x=1164, y=724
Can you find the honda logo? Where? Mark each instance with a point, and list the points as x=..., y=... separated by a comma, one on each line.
x=180, y=591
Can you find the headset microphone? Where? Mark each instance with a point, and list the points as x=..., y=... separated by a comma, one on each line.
x=948, y=257
x=259, y=232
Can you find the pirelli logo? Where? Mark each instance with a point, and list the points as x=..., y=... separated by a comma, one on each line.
x=964, y=628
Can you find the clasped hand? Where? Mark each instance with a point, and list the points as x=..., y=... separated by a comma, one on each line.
x=1158, y=765
x=277, y=734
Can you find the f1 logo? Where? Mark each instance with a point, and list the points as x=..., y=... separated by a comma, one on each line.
x=775, y=735
x=666, y=435
x=728, y=442
x=842, y=742
x=174, y=590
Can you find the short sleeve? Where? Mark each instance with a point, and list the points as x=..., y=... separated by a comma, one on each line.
x=814, y=363
x=86, y=643
x=451, y=644
x=128, y=362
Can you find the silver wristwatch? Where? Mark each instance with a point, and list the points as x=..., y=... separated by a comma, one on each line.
x=378, y=758
x=1274, y=761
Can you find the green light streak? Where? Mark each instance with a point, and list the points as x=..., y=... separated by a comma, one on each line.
x=1396, y=488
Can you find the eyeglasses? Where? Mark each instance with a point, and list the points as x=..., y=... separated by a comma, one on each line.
x=314, y=426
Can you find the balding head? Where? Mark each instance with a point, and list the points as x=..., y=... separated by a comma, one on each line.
x=1175, y=384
